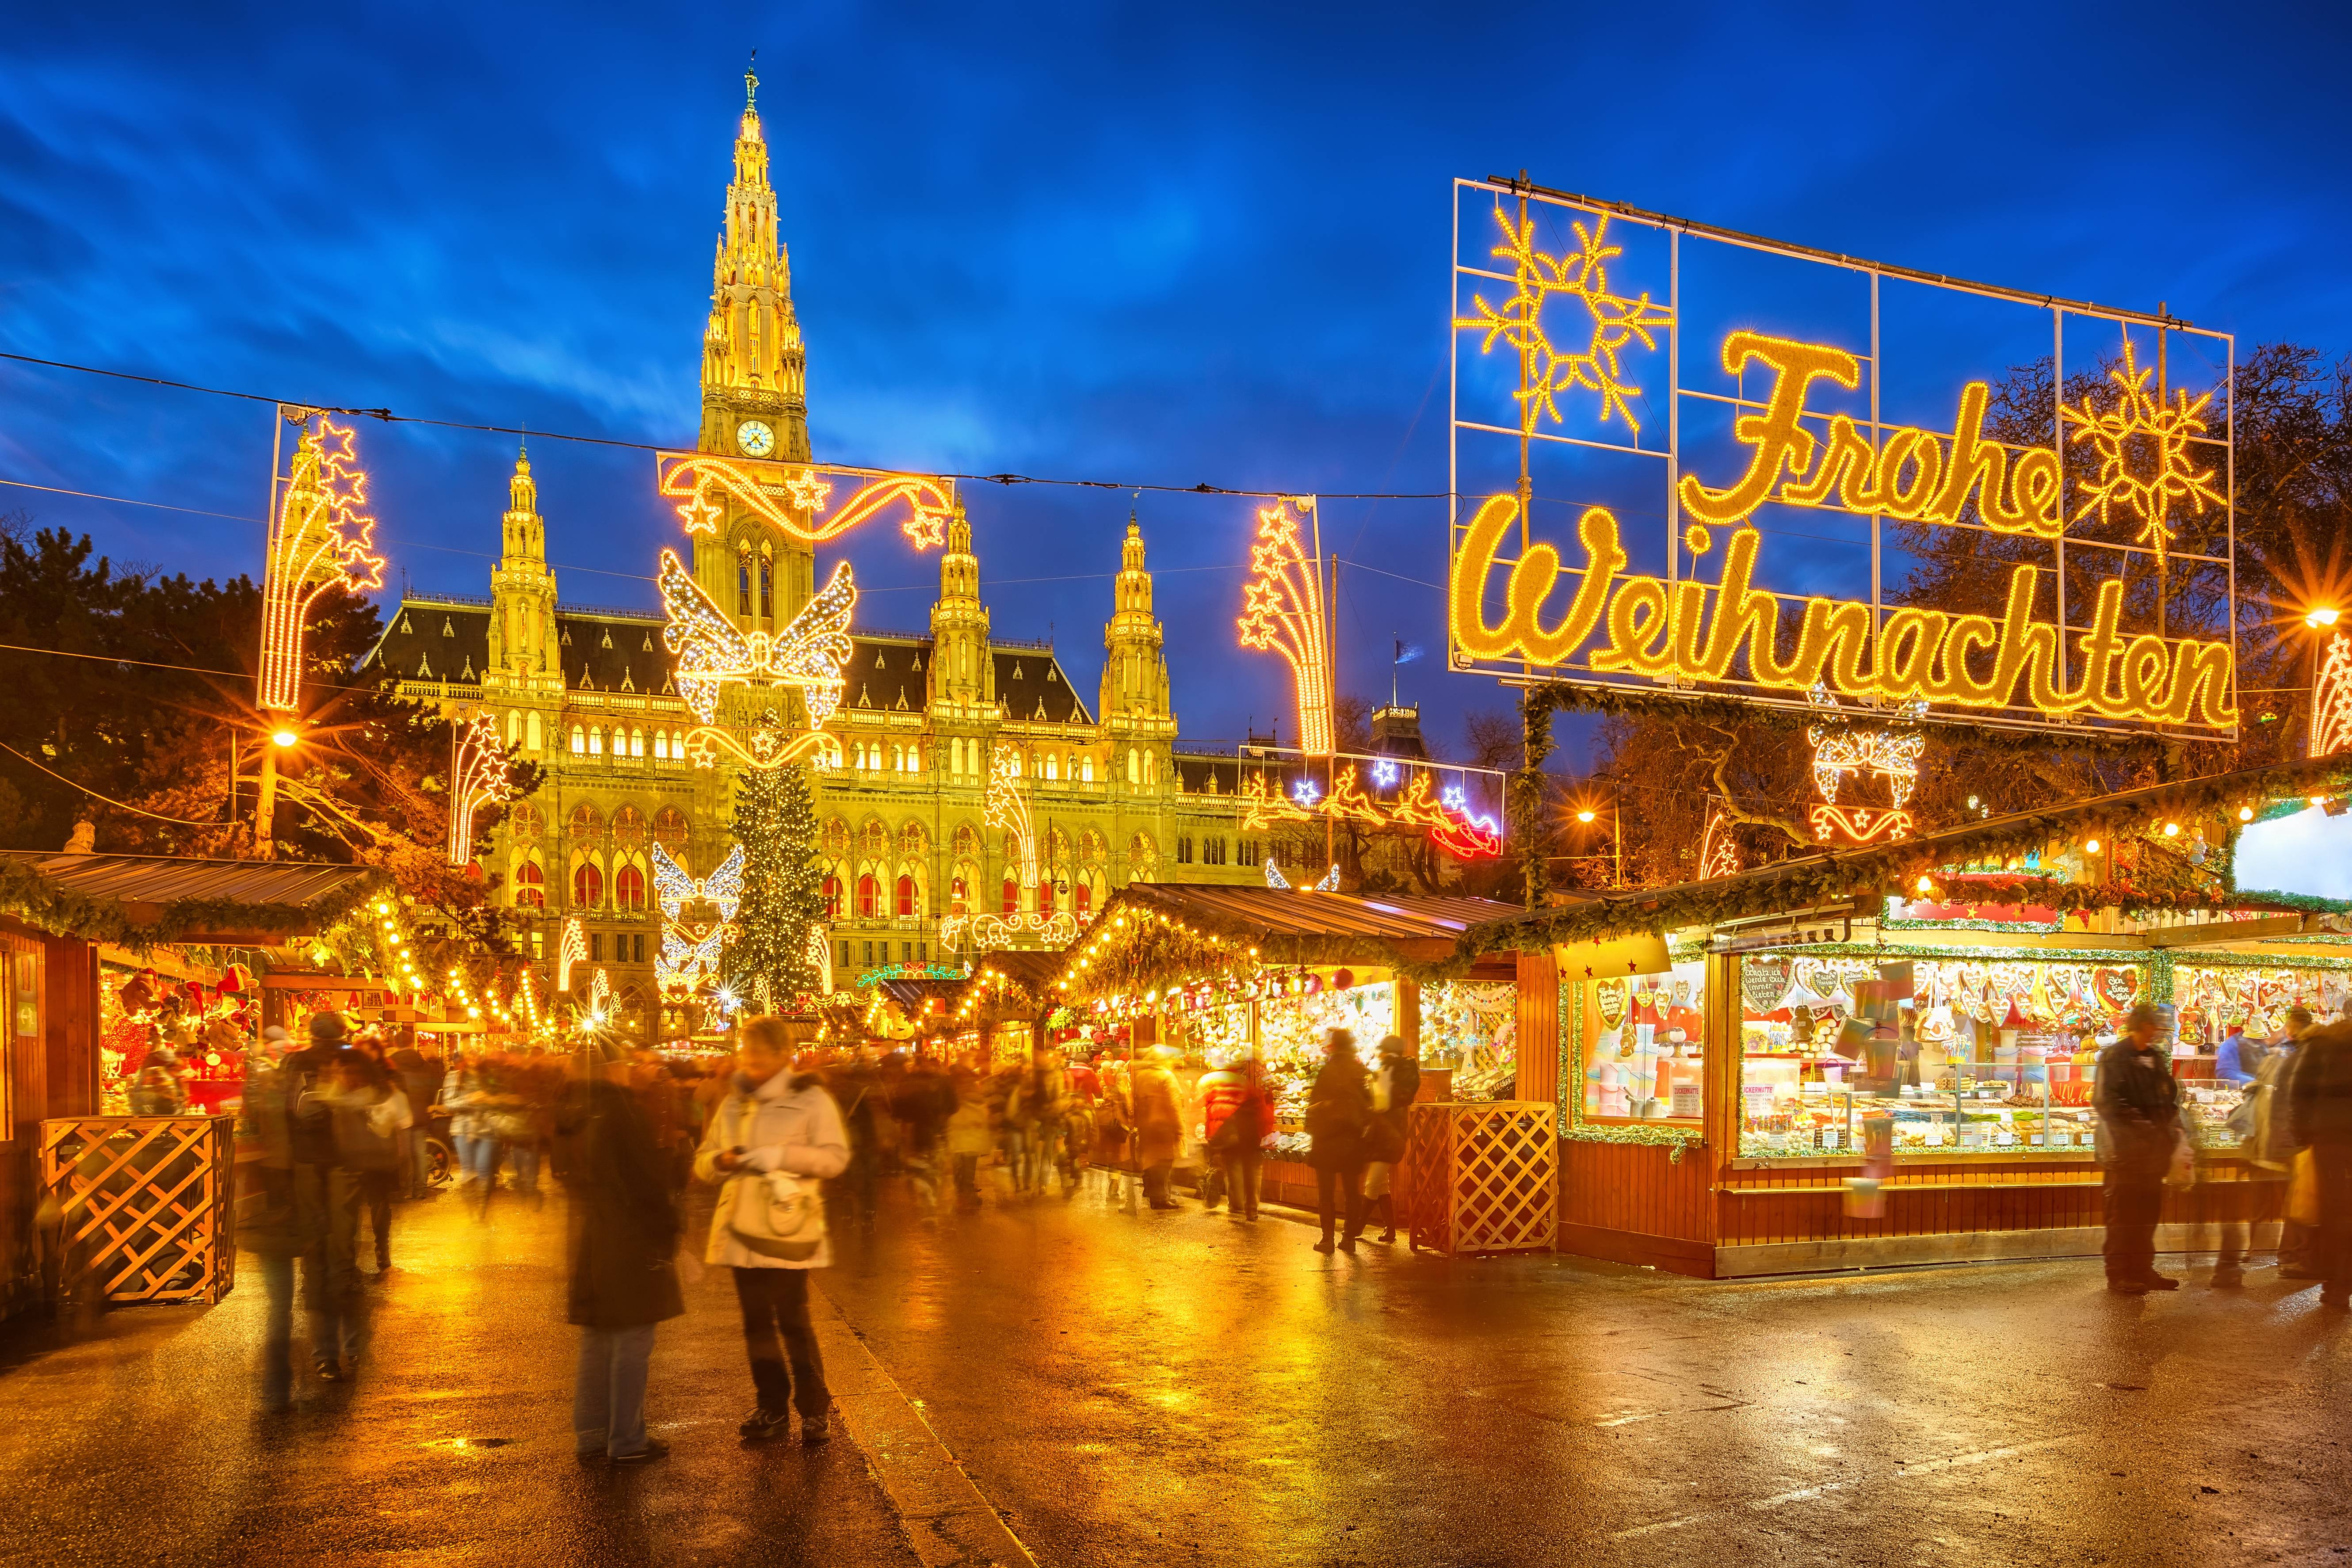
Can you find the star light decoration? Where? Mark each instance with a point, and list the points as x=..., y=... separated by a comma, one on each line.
x=2143, y=449
x=319, y=539
x=477, y=777
x=1446, y=816
x=1281, y=610
x=1617, y=321
x=1718, y=852
x=571, y=948
x=704, y=485
x=2331, y=699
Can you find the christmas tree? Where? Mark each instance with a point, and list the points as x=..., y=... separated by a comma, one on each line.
x=775, y=822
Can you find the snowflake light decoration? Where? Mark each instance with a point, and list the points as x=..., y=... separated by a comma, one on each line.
x=1618, y=320
x=2143, y=447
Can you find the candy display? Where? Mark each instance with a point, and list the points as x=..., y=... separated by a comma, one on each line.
x=1646, y=1040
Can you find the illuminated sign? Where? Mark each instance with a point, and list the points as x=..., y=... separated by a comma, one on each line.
x=1687, y=461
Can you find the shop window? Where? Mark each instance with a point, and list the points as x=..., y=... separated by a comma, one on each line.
x=629, y=887
x=833, y=898
x=869, y=896
x=906, y=903
x=587, y=886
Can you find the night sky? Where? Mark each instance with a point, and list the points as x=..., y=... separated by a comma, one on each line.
x=1153, y=245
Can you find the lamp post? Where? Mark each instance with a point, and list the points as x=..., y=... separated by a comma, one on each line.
x=265, y=810
x=1585, y=815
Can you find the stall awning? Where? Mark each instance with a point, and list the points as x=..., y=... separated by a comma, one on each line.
x=1859, y=879
x=133, y=900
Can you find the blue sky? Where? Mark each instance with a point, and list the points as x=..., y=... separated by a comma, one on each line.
x=1154, y=244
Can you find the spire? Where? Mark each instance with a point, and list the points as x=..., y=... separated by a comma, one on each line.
x=526, y=532
x=754, y=364
x=522, y=490
x=1135, y=673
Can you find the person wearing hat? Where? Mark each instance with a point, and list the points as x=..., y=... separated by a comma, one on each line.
x=2139, y=1115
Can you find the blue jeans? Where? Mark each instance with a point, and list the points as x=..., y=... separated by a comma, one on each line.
x=524, y=1157
x=608, y=1401
x=476, y=1157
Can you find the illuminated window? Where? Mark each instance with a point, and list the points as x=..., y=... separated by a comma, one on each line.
x=905, y=896
x=579, y=741
x=661, y=746
x=531, y=731
x=897, y=759
x=531, y=886
x=514, y=728
x=1151, y=768
x=1086, y=765
x=595, y=742
x=1134, y=766
x=957, y=894
x=587, y=886
x=833, y=898
x=1012, y=897
x=767, y=585
x=869, y=897
x=743, y=584
x=629, y=887
x=1052, y=772
x=636, y=742
x=1082, y=900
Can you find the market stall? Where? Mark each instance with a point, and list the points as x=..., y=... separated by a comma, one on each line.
x=1219, y=973
x=1948, y=994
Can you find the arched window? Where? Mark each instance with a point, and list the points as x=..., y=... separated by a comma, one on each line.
x=587, y=886
x=514, y=728
x=531, y=731
x=897, y=759
x=636, y=742
x=579, y=741
x=524, y=823
x=832, y=898
x=629, y=887
x=586, y=821
x=595, y=741
x=629, y=827
x=530, y=885
x=1012, y=897
x=1046, y=897
x=661, y=746
x=869, y=896
x=1082, y=899
x=1052, y=772
x=906, y=895
x=1134, y=766
x=743, y=582
x=958, y=895
x=669, y=828
x=767, y=585
x=1151, y=768
x=1087, y=769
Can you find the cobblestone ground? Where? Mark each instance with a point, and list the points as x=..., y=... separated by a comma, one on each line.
x=1184, y=1388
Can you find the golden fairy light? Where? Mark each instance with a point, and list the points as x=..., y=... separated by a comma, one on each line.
x=1617, y=321
x=1282, y=609
x=319, y=539
x=2143, y=449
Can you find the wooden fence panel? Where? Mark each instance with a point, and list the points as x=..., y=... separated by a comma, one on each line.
x=146, y=1204
x=1484, y=1178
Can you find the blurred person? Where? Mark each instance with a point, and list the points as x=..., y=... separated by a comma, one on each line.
x=530, y=1087
x=1393, y=1087
x=370, y=1113
x=466, y=1093
x=2238, y=1057
x=2274, y=1142
x=854, y=1083
x=776, y=1121
x=2138, y=1104
x=1338, y=1105
x=334, y=1295
x=1236, y=1115
x=969, y=1140
x=1012, y=1133
x=1159, y=1123
x=273, y=1222
x=159, y=1090
x=1044, y=1091
x=420, y=1079
x=921, y=1104
x=622, y=1223
x=2319, y=1113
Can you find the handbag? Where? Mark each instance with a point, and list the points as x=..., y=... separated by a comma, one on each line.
x=778, y=1215
x=1384, y=1141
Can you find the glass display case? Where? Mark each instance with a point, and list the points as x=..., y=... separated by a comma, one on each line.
x=1641, y=1052
x=1962, y=1057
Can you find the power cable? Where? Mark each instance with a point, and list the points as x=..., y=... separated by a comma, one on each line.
x=122, y=805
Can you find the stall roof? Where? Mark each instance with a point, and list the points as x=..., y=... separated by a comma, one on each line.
x=1836, y=876
x=135, y=900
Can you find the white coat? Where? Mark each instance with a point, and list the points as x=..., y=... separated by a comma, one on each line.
x=788, y=1123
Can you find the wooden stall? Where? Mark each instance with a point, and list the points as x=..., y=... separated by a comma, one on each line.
x=1219, y=973
x=1713, y=1123
x=118, y=1220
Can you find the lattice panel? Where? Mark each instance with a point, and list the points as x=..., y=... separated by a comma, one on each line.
x=144, y=1203
x=1485, y=1178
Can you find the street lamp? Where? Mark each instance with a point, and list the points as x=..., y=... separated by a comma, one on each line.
x=283, y=737
x=2320, y=619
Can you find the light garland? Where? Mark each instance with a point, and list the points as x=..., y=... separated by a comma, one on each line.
x=571, y=948
x=1691, y=632
x=2143, y=431
x=2331, y=699
x=1841, y=747
x=1718, y=852
x=691, y=951
x=1618, y=322
x=701, y=483
x=319, y=539
x=808, y=653
x=1448, y=819
x=1281, y=610
x=479, y=777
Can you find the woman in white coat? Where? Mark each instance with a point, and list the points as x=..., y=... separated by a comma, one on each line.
x=773, y=1139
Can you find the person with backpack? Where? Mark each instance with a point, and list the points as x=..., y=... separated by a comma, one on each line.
x=1338, y=1105
x=623, y=1227
x=772, y=1140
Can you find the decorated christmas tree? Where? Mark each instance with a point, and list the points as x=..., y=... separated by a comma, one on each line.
x=770, y=962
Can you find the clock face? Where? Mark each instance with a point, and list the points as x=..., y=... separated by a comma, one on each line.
x=753, y=438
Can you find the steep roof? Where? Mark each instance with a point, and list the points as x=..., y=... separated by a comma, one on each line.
x=430, y=639
x=1034, y=688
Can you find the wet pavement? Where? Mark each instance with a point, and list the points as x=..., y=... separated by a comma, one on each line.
x=1184, y=1388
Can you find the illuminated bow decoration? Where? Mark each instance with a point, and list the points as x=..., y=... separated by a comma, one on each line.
x=808, y=653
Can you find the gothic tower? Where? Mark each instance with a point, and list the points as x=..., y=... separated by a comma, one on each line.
x=754, y=394
x=522, y=595
x=1135, y=675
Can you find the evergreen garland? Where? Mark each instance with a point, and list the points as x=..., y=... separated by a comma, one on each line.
x=775, y=821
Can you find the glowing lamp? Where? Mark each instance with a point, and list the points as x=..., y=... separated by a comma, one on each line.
x=2323, y=618
x=2172, y=830
x=283, y=737
x=1584, y=817
x=2090, y=847
x=2245, y=813
x=1925, y=885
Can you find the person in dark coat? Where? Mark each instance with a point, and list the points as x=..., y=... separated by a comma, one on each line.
x=2139, y=1111
x=2319, y=1118
x=1338, y=1107
x=625, y=1230
x=1394, y=1088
